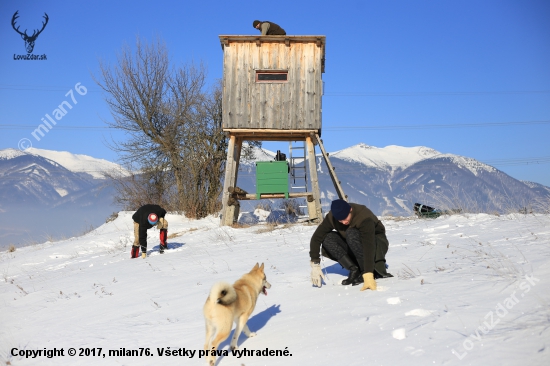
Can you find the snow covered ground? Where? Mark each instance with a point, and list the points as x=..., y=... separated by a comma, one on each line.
x=468, y=290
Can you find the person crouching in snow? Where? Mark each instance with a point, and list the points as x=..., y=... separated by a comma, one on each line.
x=351, y=235
x=145, y=218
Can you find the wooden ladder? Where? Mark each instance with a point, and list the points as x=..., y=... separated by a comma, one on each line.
x=331, y=171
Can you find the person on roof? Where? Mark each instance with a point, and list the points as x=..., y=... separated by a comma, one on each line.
x=268, y=28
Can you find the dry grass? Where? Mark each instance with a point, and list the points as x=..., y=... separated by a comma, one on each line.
x=237, y=225
x=11, y=248
x=113, y=217
x=180, y=233
x=267, y=228
x=88, y=228
x=407, y=273
x=398, y=218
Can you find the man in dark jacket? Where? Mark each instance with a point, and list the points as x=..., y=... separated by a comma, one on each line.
x=354, y=237
x=145, y=218
x=268, y=28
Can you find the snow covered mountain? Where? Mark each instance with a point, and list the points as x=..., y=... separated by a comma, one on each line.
x=390, y=180
x=390, y=158
x=79, y=163
x=48, y=191
x=51, y=193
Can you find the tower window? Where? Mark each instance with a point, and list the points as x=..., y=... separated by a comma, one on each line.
x=279, y=76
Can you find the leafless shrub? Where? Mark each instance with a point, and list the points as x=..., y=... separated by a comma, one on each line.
x=265, y=205
x=291, y=207
x=113, y=217
x=11, y=248
x=176, y=146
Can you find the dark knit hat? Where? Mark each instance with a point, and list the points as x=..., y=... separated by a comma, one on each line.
x=255, y=23
x=340, y=209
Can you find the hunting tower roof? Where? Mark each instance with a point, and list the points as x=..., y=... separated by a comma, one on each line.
x=226, y=40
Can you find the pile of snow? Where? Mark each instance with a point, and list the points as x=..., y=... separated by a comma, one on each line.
x=467, y=290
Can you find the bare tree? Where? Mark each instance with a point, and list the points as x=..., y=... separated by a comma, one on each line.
x=173, y=125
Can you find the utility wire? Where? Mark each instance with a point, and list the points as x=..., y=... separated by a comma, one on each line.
x=335, y=94
x=421, y=94
x=335, y=128
x=432, y=126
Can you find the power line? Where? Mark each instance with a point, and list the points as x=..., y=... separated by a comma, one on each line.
x=422, y=94
x=336, y=128
x=432, y=126
x=57, y=127
x=335, y=94
x=43, y=88
x=519, y=161
x=438, y=168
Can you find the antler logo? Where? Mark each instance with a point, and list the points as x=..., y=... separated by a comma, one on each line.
x=29, y=40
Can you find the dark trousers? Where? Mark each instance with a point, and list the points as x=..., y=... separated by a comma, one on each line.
x=337, y=247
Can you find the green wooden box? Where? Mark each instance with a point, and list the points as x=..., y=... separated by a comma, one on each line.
x=271, y=177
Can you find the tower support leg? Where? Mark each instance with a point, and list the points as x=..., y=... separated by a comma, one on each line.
x=230, y=208
x=314, y=207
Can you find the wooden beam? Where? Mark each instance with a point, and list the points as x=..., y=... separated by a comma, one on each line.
x=271, y=134
x=331, y=172
x=252, y=196
x=230, y=180
x=317, y=214
x=270, y=131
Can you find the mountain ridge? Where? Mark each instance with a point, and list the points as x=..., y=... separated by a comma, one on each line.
x=40, y=190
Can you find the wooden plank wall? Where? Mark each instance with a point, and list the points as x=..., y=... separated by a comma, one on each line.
x=294, y=105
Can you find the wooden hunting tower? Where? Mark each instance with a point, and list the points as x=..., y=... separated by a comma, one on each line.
x=272, y=89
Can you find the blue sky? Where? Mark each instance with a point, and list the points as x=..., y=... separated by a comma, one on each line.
x=470, y=78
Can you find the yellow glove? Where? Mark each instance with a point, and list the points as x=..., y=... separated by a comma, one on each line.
x=368, y=281
x=316, y=274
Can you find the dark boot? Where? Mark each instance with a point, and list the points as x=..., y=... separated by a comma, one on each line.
x=135, y=252
x=354, y=271
x=380, y=270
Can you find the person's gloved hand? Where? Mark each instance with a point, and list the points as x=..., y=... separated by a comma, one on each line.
x=316, y=274
x=368, y=281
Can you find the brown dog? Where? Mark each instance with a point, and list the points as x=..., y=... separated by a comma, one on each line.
x=232, y=303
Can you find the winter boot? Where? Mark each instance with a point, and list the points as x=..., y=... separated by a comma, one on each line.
x=380, y=270
x=143, y=255
x=135, y=252
x=354, y=271
x=163, y=237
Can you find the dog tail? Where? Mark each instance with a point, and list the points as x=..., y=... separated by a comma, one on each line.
x=223, y=293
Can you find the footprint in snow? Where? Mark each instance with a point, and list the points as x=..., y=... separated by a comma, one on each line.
x=415, y=352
